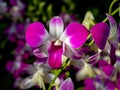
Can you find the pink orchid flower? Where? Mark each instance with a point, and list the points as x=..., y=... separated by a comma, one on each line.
x=57, y=42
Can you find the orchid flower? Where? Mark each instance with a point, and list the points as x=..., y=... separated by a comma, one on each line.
x=59, y=42
x=99, y=31
x=39, y=76
x=20, y=55
x=99, y=34
x=106, y=79
x=17, y=66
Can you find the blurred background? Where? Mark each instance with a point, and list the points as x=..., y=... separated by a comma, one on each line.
x=15, y=15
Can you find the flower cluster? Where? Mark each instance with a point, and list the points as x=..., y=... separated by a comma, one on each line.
x=91, y=50
x=68, y=54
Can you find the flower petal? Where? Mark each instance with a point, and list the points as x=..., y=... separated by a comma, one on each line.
x=73, y=53
x=36, y=34
x=20, y=68
x=39, y=53
x=27, y=83
x=107, y=48
x=106, y=67
x=108, y=70
x=100, y=33
x=93, y=59
x=113, y=27
x=56, y=27
x=55, y=56
x=75, y=35
x=89, y=84
x=67, y=85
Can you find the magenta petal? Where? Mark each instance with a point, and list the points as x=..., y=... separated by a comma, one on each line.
x=55, y=56
x=67, y=85
x=89, y=84
x=106, y=67
x=111, y=85
x=75, y=35
x=36, y=34
x=108, y=70
x=100, y=33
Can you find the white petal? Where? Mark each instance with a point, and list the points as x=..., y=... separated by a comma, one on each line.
x=56, y=27
x=27, y=83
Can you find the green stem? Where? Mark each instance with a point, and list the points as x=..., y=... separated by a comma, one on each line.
x=56, y=86
x=58, y=73
x=113, y=13
x=111, y=5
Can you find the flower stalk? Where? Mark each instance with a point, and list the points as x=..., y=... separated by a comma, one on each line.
x=113, y=13
x=111, y=5
x=58, y=73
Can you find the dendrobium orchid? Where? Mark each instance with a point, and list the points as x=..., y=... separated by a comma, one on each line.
x=38, y=76
x=58, y=42
x=99, y=32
